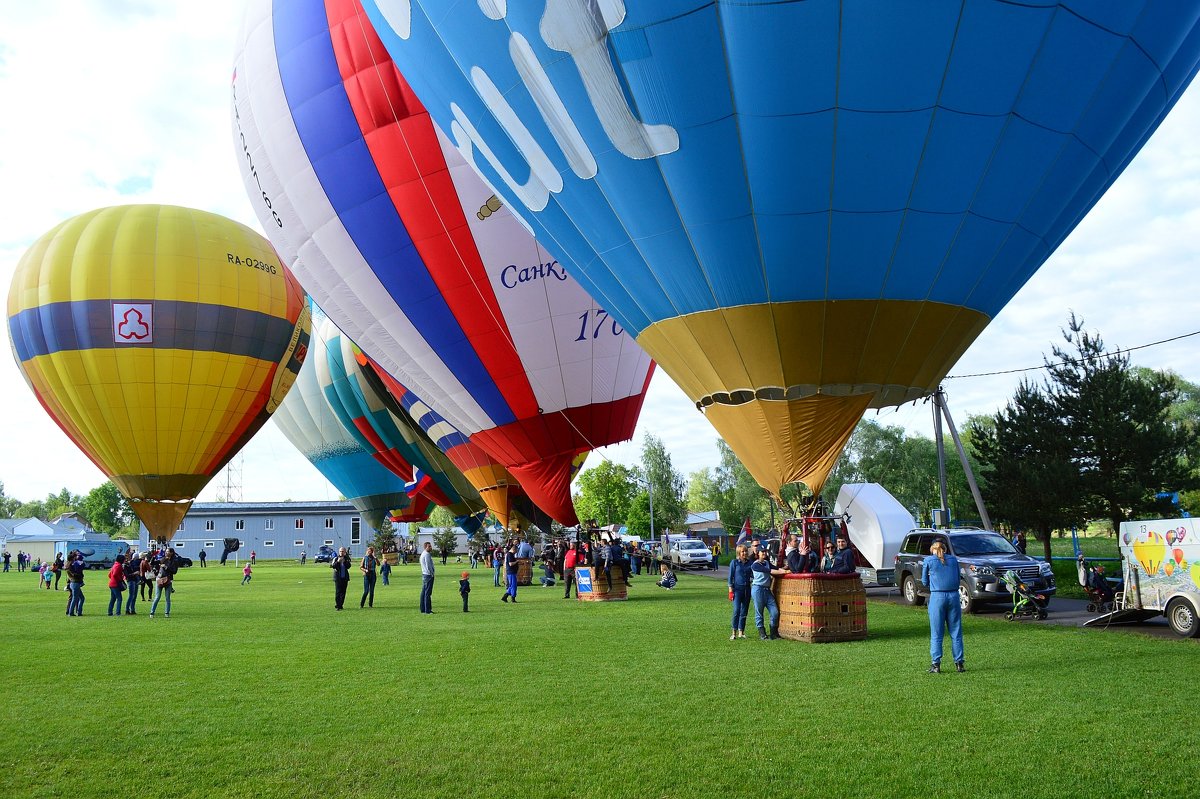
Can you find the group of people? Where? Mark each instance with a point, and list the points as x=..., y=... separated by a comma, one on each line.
x=134, y=574
x=752, y=570
x=24, y=560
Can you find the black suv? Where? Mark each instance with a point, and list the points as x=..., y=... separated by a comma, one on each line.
x=983, y=558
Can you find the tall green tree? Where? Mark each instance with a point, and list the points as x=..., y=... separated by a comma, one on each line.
x=385, y=537
x=8, y=505
x=606, y=492
x=106, y=509
x=670, y=509
x=1127, y=446
x=1026, y=454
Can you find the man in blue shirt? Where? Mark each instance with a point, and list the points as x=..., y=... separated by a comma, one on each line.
x=940, y=574
x=843, y=559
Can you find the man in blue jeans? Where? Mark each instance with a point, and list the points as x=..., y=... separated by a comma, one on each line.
x=940, y=574
x=427, y=578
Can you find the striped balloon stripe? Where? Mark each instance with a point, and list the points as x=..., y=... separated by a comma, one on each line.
x=347, y=172
x=201, y=327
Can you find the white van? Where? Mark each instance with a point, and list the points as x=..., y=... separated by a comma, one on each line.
x=1162, y=571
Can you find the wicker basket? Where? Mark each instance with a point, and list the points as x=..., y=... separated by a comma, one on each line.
x=524, y=571
x=600, y=592
x=821, y=608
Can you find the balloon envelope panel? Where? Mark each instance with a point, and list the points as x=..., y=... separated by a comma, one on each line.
x=392, y=438
x=160, y=339
x=785, y=201
x=413, y=256
x=308, y=421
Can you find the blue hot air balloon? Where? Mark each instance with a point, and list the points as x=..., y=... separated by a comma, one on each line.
x=800, y=209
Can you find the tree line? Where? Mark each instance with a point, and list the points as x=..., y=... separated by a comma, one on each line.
x=104, y=508
x=1097, y=440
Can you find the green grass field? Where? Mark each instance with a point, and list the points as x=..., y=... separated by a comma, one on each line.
x=265, y=691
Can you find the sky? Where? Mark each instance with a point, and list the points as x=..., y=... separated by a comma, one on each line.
x=109, y=102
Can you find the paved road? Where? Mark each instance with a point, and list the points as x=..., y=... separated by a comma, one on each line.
x=1063, y=612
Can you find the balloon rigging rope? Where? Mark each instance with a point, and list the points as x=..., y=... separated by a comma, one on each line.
x=1089, y=359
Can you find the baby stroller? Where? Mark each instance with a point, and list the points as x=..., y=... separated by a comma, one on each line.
x=1026, y=604
x=1101, y=594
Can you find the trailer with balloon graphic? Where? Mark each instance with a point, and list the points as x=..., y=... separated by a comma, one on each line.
x=1162, y=574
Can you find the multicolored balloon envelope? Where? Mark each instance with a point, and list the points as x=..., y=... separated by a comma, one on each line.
x=495, y=484
x=309, y=422
x=393, y=439
x=160, y=339
x=414, y=257
x=801, y=210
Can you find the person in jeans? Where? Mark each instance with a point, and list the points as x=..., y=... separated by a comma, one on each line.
x=341, y=577
x=940, y=573
x=116, y=585
x=760, y=594
x=510, y=575
x=427, y=578
x=367, y=566
x=739, y=588
x=75, y=585
x=132, y=578
x=164, y=581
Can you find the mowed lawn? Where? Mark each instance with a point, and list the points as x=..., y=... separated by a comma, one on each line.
x=265, y=691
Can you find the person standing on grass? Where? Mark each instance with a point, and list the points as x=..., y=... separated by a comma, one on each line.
x=367, y=566
x=940, y=573
x=164, y=581
x=57, y=568
x=116, y=585
x=464, y=589
x=739, y=589
x=570, y=560
x=203, y=559
x=341, y=577
x=132, y=578
x=510, y=575
x=75, y=584
x=385, y=570
x=497, y=564
x=146, y=575
x=760, y=594
x=427, y=578
x=247, y=573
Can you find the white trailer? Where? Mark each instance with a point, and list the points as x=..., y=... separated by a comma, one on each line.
x=876, y=523
x=1161, y=567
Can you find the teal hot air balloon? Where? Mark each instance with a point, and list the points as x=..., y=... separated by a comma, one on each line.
x=308, y=421
x=800, y=209
x=390, y=435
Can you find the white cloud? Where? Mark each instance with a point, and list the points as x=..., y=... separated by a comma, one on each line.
x=111, y=102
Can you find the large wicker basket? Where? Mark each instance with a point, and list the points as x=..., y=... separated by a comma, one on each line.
x=524, y=571
x=599, y=585
x=821, y=608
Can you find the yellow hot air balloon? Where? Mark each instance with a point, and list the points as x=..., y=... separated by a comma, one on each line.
x=1149, y=553
x=1194, y=571
x=160, y=339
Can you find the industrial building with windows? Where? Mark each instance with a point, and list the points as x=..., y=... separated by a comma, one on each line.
x=272, y=530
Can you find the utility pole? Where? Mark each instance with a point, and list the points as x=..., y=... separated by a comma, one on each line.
x=941, y=409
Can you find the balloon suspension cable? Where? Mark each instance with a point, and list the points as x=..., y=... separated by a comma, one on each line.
x=492, y=207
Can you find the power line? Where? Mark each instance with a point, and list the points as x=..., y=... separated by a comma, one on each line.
x=1082, y=360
